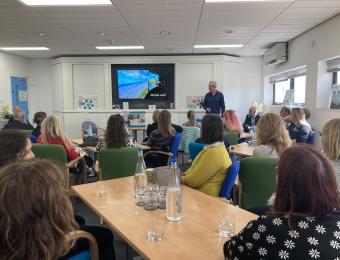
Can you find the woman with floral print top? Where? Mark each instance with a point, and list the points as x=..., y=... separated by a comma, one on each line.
x=305, y=220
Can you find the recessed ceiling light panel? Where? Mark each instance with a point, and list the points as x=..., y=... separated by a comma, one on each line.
x=64, y=2
x=230, y=1
x=120, y=47
x=218, y=46
x=24, y=49
x=164, y=33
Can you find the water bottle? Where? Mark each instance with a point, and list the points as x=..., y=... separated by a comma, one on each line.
x=140, y=173
x=89, y=131
x=173, y=196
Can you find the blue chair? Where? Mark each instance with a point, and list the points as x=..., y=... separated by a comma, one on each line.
x=229, y=180
x=89, y=254
x=194, y=149
x=85, y=255
x=311, y=138
x=174, y=146
x=33, y=139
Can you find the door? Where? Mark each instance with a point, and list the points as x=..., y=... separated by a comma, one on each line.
x=19, y=94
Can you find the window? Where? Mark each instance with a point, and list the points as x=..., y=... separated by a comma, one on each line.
x=336, y=77
x=298, y=84
x=280, y=88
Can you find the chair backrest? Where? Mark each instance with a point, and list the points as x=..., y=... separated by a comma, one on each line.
x=194, y=149
x=230, y=178
x=52, y=152
x=33, y=139
x=86, y=124
x=232, y=137
x=83, y=255
x=258, y=181
x=311, y=138
x=27, y=132
x=89, y=254
x=189, y=135
x=117, y=162
x=174, y=146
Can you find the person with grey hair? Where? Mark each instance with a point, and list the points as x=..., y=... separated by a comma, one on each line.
x=214, y=100
x=251, y=120
x=18, y=122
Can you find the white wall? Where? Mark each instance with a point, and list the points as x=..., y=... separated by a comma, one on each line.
x=40, y=83
x=318, y=44
x=10, y=65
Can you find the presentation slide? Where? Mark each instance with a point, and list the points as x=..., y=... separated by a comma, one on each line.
x=136, y=84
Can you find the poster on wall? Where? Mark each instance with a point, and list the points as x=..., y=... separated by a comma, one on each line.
x=87, y=103
x=136, y=119
x=335, y=97
x=288, y=100
x=194, y=102
x=22, y=95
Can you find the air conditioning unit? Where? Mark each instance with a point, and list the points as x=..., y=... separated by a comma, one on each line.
x=276, y=54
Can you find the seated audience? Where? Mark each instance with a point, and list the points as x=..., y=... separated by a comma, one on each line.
x=251, y=120
x=18, y=122
x=271, y=136
x=116, y=134
x=285, y=113
x=160, y=140
x=331, y=144
x=18, y=109
x=38, y=119
x=14, y=146
x=209, y=168
x=191, y=115
x=52, y=133
x=37, y=215
x=232, y=122
x=304, y=221
x=154, y=126
x=307, y=113
x=299, y=129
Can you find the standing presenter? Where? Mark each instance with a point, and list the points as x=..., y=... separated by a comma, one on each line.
x=214, y=100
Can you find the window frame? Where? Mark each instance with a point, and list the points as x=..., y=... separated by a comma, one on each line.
x=335, y=77
x=292, y=80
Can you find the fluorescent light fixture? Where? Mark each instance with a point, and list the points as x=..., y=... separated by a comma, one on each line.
x=65, y=2
x=230, y=1
x=120, y=47
x=24, y=49
x=218, y=46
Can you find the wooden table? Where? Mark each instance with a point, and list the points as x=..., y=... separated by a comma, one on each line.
x=243, y=150
x=246, y=136
x=195, y=237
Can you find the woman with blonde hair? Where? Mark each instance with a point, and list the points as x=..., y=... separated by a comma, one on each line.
x=271, y=136
x=52, y=133
x=232, y=122
x=160, y=140
x=331, y=144
x=152, y=127
x=36, y=215
x=299, y=129
x=191, y=115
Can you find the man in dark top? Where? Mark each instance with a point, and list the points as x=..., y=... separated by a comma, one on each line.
x=18, y=122
x=251, y=119
x=214, y=100
x=18, y=109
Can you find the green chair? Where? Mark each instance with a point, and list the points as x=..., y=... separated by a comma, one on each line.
x=232, y=137
x=57, y=154
x=257, y=178
x=28, y=132
x=117, y=163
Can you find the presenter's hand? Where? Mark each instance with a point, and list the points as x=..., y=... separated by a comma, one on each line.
x=208, y=109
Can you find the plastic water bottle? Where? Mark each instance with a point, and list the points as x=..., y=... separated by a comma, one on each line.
x=173, y=196
x=89, y=131
x=140, y=173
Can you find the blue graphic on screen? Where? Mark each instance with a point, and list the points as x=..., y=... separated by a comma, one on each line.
x=136, y=84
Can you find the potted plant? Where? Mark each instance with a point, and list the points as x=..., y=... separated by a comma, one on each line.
x=5, y=115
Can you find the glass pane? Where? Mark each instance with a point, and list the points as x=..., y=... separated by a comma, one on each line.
x=338, y=77
x=300, y=89
x=280, y=90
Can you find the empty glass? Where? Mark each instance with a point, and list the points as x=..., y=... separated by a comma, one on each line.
x=162, y=197
x=100, y=188
x=151, y=197
x=226, y=227
x=155, y=226
x=140, y=196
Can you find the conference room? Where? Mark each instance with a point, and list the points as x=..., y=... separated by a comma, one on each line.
x=162, y=129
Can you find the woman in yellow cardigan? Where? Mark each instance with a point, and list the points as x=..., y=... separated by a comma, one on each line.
x=209, y=168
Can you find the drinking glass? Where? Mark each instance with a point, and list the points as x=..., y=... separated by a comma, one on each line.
x=155, y=228
x=151, y=197
x=100, y=188
x=162, y=197
x=140, y=196
x=226, y=227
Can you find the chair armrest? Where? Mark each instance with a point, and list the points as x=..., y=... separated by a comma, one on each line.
x=160, y=152
x=71, y=163
x=75, y=235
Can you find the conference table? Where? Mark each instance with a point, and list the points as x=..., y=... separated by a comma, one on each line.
x=92, y=149
x=195, y=237
x=242, y=150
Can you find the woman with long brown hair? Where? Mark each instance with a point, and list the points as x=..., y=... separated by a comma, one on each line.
x=116, y=134
x=305, y=219
x=271, y=136
x=160, y=140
